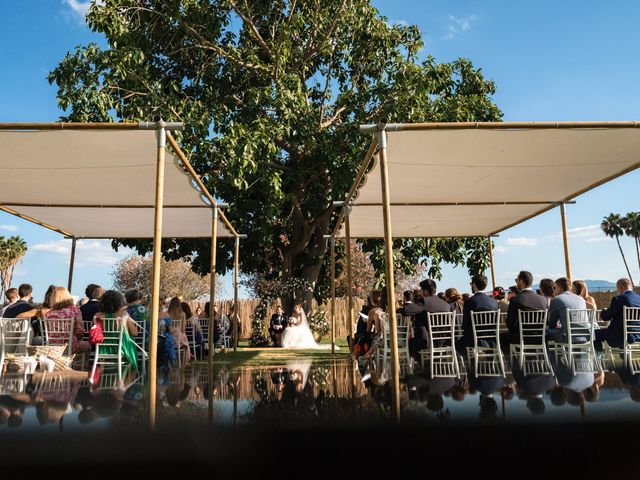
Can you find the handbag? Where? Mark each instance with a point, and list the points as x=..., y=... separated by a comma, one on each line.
x=96, y=334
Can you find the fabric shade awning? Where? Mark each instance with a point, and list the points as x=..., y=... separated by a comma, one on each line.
x=99, y=184
x=479, y=181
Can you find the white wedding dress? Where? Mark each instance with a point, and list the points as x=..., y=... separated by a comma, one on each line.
x=299, y=335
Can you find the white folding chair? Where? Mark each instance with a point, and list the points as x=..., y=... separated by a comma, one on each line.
x=176, y=330
x=577, y=350
x=459, y=329
x=629, y=351
x=442, y=356
x=15, y=334
x=486, y=352
x=532, y=325
x=109, y=351
x=59, y=331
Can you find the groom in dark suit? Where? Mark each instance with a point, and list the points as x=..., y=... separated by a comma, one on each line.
x=277, y=326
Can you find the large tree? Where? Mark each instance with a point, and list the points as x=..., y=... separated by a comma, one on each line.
x=271, y=93
x=12, y=250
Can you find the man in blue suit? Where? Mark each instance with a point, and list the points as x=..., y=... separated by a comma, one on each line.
x=478, y=302
x=614, y=333
x=557, y=317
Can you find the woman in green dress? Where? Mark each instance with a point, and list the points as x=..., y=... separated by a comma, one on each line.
x=114, y=305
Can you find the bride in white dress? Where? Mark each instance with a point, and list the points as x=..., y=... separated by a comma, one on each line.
x=298, y=334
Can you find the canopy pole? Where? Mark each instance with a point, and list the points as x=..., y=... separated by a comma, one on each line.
x=389, y=274
x=161, y=135
x=565, y=241
x=493, y=268
x=349, y=279
x=71, y=263
x=212, y=300
x=235, y=293
x=333, y=295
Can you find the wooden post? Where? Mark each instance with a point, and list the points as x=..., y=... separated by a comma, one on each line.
x=347, y=239
x=236, y=275
x=333, y=295
x=212, y=301
x=155, y=290
x=493, y=268
x=72, y=263
x=565, y=241
x=389, y=275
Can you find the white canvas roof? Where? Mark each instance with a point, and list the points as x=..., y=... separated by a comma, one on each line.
x=98, y=184
x=480, y=180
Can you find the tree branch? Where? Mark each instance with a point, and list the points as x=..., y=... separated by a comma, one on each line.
x=252, y=27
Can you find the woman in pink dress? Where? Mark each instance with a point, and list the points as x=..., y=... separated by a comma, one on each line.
x=62, y=306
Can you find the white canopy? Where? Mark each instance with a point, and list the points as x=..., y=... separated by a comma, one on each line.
x=98, y=184
x=479, y=179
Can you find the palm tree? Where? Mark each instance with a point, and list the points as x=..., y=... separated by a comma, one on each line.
x=611, y=226
x=11, y=252
x=631, y=225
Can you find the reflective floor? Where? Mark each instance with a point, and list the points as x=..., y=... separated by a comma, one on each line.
x=314, y=393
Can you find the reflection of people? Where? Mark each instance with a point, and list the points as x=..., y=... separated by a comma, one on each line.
x=277, y=325
x=298, y=334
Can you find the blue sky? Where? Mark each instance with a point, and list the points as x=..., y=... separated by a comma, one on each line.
x=551, y=61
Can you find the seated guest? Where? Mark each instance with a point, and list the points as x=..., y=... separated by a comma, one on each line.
x=62, y=306
x=360, y=335
x=89, y=309
x=23, y=308
x=277, y=326
x=453, y=298
x=526, y=300
x=194, y=333
x=112, y=304
x=580, y=288
x=179, y=331
x=12, y=297
x=428, y=303
x=546, y=289
x=136, y=310
x=499, y=294
x=376, y=324
x=478, y=302
x=563, y=299
x=614, y=333
x=513, y=291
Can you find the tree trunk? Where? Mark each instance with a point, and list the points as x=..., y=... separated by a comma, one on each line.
x=638, y=250
x=624, y=259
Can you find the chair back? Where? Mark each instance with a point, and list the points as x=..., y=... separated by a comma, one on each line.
x=204, y=328
x=112, y=332
x=459, y=318
x=580, y=326
x=59, y=331
x=15, y=335
x=176, y=329
x=631, y=317
x=441, y=328
x=532, y=326
x=486, y=326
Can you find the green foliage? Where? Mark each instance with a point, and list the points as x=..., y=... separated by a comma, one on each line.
x=12, y=250
x=615, y=226
x=271, y=93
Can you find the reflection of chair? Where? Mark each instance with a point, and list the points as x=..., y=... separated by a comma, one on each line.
x=532, y=325
x=577, y=350
x=13, y=383
x=630, y=351
x=109, y=351
x=15, y=334
x=486, y=352
x=443, y=360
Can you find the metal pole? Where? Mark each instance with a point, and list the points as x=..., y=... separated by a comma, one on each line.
x=389, y=274
x=157, y=255
x=333, y=295
x=212, y=300
x=236, y=313
x=349, y=281
x=565, y=241
x=493, y=268
x=72, y=263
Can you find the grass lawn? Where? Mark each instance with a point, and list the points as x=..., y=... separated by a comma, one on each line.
x=269, y=356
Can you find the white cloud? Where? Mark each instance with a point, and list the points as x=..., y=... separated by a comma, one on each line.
x=9, y=228
x=522, y=242
x=458, y=25
x=401, y=22
x=500, y=249
x=89, y=253
x=76, y=10
x=78, y=7
x=597, y=239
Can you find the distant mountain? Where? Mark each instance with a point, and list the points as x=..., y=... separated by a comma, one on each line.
x=593, y=285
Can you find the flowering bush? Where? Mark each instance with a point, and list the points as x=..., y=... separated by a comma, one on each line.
x=318, y=323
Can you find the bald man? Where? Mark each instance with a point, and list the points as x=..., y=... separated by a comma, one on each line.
x=614, y=333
